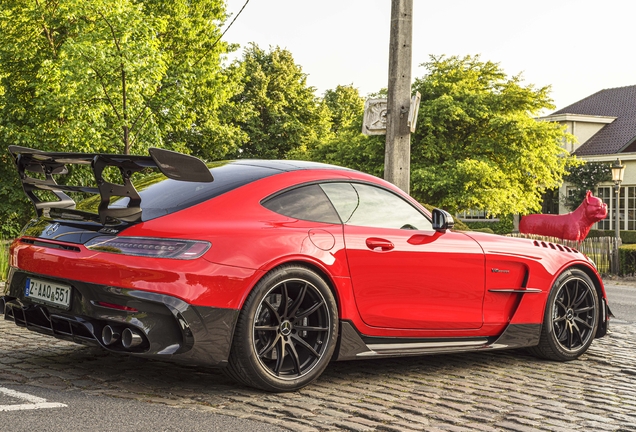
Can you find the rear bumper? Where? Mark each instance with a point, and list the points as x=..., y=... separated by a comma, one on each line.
x=170, y=328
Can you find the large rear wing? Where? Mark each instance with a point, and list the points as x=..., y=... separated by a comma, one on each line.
x=173, y=165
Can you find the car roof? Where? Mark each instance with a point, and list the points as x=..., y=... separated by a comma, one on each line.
x=285, y=165
x=162, y=196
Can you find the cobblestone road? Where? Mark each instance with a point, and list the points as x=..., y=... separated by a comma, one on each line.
x=480, y=391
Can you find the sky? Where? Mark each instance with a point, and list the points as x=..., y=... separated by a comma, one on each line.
x=578, y=47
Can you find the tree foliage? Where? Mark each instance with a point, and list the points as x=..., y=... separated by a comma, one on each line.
x=478, y=144
x=112, y=76
x=346, y=108
x=583, y=178
x=346, y=145
x=275, y=108
x=119, y=76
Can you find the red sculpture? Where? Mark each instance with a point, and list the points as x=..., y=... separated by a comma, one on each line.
x=571, y=226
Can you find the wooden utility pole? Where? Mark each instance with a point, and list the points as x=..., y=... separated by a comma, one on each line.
x=397, y=156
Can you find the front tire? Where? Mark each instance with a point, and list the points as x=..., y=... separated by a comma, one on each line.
x=571, y=318
x=286, y=332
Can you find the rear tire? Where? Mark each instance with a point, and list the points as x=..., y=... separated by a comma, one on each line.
x=286, y=332
x=571, y=318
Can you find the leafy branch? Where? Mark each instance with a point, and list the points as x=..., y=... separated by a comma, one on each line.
x=583, y=178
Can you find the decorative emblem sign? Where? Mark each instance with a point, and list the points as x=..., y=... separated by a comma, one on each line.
x=52, y=228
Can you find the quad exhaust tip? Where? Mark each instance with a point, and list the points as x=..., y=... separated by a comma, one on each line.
x=131, y=338
x=110, y=335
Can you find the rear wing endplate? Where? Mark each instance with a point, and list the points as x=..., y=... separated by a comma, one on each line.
x=176, y=166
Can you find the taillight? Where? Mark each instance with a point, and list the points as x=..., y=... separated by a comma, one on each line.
x=116, y=306
x=149, y=247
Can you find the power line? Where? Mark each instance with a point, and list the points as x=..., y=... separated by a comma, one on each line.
x=222, y=34
x=237, y=15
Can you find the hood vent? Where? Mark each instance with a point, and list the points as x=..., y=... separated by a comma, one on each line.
x=555, y=246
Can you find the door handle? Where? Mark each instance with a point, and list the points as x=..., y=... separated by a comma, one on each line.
x=374, y=243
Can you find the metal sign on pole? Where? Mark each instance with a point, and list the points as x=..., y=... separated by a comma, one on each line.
x=414, y=109
x=374, y=122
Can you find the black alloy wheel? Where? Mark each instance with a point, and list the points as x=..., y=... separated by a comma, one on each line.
x=286, y=331
x=291, y=328
x=571, y=317
x=574, y=314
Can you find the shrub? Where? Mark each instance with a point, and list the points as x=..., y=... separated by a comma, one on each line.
x=4, y=259
x=583, y=178
x=627, y=259
x=628, y=237
x=503, y=226
x=484, y=230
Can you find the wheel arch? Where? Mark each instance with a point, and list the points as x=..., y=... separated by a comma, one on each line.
x=602, y=298
x=595, y=278
x=593, y=275
x=322, y=272
x=600, y=293
x=558, y=342
x=245, y=370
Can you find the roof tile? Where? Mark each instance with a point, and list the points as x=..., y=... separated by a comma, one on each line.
x=617, y=102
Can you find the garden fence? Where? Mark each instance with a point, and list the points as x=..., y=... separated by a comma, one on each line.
x=602, y=250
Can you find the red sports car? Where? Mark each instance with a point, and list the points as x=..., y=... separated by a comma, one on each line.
x=274, y=268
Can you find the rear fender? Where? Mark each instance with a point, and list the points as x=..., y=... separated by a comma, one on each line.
x=316, y=265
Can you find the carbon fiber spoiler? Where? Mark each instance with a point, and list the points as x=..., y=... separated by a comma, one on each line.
x=176, y=166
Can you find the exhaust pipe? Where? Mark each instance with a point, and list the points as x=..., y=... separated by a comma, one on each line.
x=110, y=335
x=131, y=338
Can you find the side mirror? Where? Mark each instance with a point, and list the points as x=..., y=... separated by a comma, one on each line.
x=442, y=220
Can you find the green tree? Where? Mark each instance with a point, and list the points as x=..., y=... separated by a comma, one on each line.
x=112, y=76
x=478, y=144
x=346, y=108
x=346, y=145
x=276, y=108
x=583, y=178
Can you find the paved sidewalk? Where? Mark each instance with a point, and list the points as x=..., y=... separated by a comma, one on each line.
x=485, y=391
x=489, y=391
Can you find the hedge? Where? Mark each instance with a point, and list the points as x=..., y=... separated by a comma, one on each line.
x=628, y=237
x=627, y=259
x=484, y=230
x=505, y=225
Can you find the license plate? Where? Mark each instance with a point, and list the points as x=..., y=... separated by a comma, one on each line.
x=48, y=292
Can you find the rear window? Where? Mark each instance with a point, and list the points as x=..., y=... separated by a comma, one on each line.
x=306, y=203
x=161, y=196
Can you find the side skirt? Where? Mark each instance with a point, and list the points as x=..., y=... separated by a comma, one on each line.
x=352, y=345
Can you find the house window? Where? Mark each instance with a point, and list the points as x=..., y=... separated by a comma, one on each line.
x=550, y=202
x=621, y=209
x=630, y=194
x=627, y=208
x=605, y=193
x=569, y=192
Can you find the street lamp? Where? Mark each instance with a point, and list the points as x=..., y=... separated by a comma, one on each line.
x=618, y=171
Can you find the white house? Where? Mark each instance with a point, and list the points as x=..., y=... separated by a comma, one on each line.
x=605, y=126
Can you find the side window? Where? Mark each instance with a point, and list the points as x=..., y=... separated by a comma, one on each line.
x=366, y=205
x=306, y=203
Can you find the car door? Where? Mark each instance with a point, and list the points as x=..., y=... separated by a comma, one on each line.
x=406, y=275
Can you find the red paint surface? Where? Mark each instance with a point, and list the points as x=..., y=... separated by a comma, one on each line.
x=387, y=282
